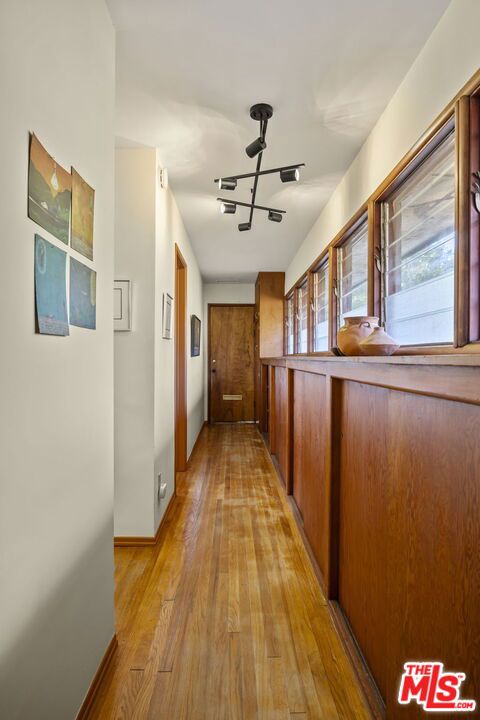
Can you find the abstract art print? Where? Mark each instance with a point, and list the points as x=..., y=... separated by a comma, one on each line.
x=49, y=192
x=50, y=288
x=83, y=295
x=196, y=325
x=83, y=199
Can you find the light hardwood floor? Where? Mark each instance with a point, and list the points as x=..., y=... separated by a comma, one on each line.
x=224, y=618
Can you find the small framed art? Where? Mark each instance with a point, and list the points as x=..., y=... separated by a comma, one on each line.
x=167, y=316
x=196, y=325
x=122, y=302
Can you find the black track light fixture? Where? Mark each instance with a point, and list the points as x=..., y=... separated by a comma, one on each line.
x=256, y=147
x=227, y=184
x=261, y=112
x=274, y=216
x=228, y=208
x=290, y=175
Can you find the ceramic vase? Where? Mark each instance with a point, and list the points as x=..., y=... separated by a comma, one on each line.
x=352, y=333
x=378, y=343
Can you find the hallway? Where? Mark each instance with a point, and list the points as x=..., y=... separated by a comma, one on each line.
x=224, y=617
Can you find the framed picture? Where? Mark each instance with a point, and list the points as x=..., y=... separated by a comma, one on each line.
x=196, y=325
x=122, y=301
x=167, y=316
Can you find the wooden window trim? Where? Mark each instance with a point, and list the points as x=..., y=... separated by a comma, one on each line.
x=464, y=112
x=360, y=217
x=375, y=232
x=288, y=297
x=323, y=258
x=304, y=281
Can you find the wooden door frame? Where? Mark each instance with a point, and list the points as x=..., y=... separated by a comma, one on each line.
x=180, y=363
x=210, y=305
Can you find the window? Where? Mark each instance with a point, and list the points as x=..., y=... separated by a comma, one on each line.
x=352, y=273
x=320, y=308
x=290, y=325
x=302, y=318
x=418, y=244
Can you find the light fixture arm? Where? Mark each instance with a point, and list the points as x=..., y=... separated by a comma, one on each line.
x=259, y=165
x=251, y=205
x=262, y=172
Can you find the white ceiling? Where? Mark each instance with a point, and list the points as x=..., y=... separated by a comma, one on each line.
x=188, y=71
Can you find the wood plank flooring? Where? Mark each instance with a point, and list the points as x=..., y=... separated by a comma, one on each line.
x=224, y=618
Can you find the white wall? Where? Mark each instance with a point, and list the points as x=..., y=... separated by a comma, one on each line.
x=230, y=293
x=56, y=412
x=147, y=227
x=135, y=350
x=171, y=231
x=447, y=61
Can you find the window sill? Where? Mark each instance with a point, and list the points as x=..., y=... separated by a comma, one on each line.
x=455, y=358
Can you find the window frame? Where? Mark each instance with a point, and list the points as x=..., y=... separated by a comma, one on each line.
x=302, y=283
x=361, y=217
x=289, y=296
x=324, y=259
x=405, y=174
x=464, y=113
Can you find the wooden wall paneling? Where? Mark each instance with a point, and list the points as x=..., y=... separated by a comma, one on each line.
x=263, y=399
x=433, y=375
x=401, y=481
x=271, y=290
x=289, y=433
x=256, y=350
x=281, y=422
x=299, y=440
x=310, y=421
x=433, y=571
x=269, y=329
x=364, y=469
x=333, y=395
x=272, y=410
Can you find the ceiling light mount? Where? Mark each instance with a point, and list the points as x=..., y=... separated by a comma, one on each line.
x=262, y=113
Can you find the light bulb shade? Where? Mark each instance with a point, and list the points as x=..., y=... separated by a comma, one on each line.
x=244, y=226
x=255, y=147
x=226, y=184
x=228, y=208
x=275, y=216
x=292, y=175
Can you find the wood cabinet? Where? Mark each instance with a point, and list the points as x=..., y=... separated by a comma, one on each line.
x=269, y=325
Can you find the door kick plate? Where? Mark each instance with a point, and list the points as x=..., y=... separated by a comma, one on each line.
x=232, y=397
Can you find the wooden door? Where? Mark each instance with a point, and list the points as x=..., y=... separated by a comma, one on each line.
x=231, y=363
